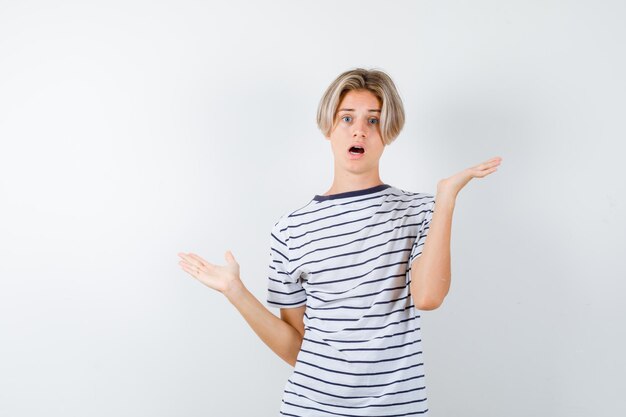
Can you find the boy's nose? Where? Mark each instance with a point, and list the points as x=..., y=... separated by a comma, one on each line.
x=360, y=130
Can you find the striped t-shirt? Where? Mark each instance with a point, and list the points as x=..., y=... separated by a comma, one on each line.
x=347, y=258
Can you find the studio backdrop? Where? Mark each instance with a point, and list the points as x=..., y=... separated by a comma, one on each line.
x=131, y=131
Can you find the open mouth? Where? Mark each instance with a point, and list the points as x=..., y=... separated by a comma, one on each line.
x=356, y=150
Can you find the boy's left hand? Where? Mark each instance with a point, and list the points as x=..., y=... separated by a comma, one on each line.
x=452, y=185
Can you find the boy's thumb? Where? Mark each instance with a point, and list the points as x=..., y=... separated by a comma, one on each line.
x=229, y=256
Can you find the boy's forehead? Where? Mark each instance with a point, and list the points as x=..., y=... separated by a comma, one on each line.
x=351, y=103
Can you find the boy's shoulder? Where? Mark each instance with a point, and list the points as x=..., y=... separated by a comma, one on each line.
x=421, y=196
x=293, y=211
x=411, y=193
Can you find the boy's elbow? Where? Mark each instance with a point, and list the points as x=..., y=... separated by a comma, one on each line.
x=428, y=302
x=291, y=359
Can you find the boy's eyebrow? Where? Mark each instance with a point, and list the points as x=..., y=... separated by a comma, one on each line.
x=353, y=110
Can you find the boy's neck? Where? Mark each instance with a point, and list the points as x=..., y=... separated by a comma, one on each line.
x=351, y=183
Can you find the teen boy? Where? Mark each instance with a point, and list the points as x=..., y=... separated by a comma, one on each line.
x=352, y=268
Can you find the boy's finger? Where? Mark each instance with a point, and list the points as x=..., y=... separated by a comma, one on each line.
x=187, y=259
x=199, y=259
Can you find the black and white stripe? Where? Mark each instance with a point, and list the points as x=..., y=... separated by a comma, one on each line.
x=347, y=258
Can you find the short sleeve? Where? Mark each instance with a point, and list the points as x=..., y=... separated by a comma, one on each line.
x=283, y=290
x=427, y=209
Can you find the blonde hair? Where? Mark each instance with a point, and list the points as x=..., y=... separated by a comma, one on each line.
x=376, y=81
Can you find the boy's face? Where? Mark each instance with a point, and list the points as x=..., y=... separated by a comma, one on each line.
x=357, y=123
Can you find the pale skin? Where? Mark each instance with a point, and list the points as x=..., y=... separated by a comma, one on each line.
x=356, y=121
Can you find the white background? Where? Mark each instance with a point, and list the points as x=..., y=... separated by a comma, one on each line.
x=131, y=131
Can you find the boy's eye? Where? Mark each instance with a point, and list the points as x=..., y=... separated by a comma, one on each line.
x=373, y=120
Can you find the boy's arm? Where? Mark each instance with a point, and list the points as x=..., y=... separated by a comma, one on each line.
x=430, y=272
x=294, y=317
x=277, y=334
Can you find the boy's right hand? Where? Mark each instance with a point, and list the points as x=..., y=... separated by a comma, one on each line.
x=224, y=279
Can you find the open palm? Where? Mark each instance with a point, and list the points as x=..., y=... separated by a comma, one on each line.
x=219, y=277
x=456, y=182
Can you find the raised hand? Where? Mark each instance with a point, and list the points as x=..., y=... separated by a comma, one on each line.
x=452, y=185
x=222, y=278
